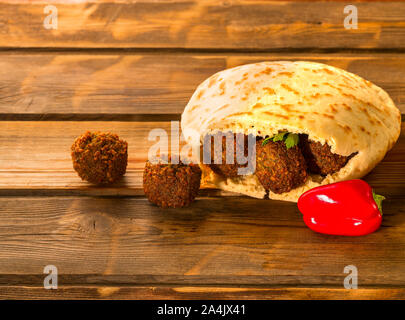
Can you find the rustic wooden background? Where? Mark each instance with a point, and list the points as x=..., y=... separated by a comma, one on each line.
x=128, y=67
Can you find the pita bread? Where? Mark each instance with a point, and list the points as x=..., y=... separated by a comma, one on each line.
x=329, y=104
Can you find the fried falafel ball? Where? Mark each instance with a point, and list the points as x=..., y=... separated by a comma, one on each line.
x=171, y=185
x=319, y=158
x=279, y=169
x=100, y=158
x=222, y=152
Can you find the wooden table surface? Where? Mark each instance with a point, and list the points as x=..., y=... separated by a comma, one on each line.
x=129, y=67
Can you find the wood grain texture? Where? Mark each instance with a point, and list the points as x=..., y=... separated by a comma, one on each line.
x=101, y=87
x=35, y=158
x=217, y=248
x=129, y=67
x=197, y=293
x=203, y=24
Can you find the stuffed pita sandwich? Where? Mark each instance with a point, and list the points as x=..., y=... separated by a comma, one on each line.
x=310, y=124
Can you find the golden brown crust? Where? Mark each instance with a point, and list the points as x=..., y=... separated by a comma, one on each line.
x=100, y=158
x=171, y=185
x=279, y=169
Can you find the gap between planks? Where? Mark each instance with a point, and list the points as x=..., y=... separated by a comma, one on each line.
x=96, y=117
x=203, y=293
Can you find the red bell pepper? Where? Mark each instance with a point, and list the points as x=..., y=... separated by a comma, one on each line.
x=347, y=208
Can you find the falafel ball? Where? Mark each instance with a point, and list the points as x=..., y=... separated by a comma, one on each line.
x=171, y=185
x=319, y=158
x=239, y=148
x=100, y=158
x=279, y=169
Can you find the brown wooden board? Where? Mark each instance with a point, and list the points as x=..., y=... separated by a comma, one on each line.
x=35, y=158
x=130, y=67
x=219, y=248
x=199, y=293
x=203, y=24
x=113, y=86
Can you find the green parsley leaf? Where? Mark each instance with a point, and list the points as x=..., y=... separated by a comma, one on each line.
x=279, y=136
x=291, y=140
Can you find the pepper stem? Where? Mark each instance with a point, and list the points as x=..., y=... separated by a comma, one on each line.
x=378, y=200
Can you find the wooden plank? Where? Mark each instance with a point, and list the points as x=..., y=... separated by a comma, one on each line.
x=35, y=158
x=41, y=160
x=130, y=1
x=197, y=293
x=69, y=86
x=101, y=84
x=203, y=24
x=219, y=247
